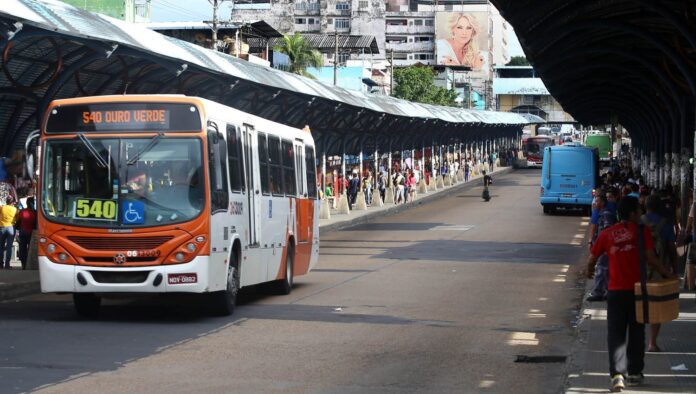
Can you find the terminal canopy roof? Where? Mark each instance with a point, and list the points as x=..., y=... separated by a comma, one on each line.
x=53, y=50
x=626, y=61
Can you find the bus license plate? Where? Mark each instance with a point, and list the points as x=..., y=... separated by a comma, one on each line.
x=567, y=195
x=182, y=279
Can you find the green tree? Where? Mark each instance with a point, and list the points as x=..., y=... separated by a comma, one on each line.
x=301, y=54
x=416, y=84
x=518, y=61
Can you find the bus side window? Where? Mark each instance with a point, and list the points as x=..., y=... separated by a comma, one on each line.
x=289, y=179
x=275, y=165
x=263, y=164
x=217, y=158
x=311, y=172
x=234, y=158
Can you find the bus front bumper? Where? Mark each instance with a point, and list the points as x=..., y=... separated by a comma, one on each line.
x=566, y=201
x=191, y=277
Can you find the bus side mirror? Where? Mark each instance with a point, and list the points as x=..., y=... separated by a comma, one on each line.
x=29, y=154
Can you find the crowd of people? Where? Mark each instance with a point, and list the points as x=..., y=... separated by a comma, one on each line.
x=623, y=205
x=17, y=222
x=405, y=181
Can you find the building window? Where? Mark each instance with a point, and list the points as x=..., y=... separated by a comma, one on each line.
x=423, y=56
x=423, y=39
x=362, y=4
x=342, y=23
x=430, y=22
x=311, y=21
x=342, y=6
x=418, y=22
x=329, y=21
x=300, y=21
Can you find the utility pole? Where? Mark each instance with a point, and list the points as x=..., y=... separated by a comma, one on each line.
x=335, y=57
x=215, y=22
x=469, y=95
x=391, y=73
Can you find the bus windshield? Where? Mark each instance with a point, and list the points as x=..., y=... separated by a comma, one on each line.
x=536, y=146
x=123, y=182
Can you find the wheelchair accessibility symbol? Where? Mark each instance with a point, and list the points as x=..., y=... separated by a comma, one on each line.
x=133, y=212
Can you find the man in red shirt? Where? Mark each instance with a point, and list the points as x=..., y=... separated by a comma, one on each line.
x=620, y=243
x=27, y=223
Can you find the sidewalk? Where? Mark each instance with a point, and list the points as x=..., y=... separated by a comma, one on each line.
x=671, y=371
x=339, y=221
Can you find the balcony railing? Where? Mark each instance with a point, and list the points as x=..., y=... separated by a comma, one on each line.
x=425, y=46
x=401, y=29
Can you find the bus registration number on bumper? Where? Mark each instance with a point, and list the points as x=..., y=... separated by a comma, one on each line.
x=182, y=279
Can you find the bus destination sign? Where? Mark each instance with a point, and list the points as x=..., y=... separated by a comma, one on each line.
x=127, y=119
x=124, y=117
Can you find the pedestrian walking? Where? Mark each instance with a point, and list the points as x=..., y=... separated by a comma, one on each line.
x=26, y=222
x=8, y=219
x=626, y=337
x=602, y=218
x=467, y=170
x=664, y=238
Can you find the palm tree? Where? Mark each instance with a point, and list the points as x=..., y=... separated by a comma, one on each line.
x=301, y=54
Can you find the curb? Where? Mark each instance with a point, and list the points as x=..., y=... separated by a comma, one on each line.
x=394, y=209
x=10, y=291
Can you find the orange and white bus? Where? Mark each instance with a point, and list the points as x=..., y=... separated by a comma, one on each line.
x=167, y=193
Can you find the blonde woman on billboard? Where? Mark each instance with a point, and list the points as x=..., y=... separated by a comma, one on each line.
x=461, y=49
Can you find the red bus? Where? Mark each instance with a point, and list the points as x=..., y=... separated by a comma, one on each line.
x=533, y=149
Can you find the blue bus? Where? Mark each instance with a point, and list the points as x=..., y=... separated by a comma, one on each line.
x=569, y=175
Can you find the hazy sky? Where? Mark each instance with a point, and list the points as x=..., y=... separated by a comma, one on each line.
x=197, y=10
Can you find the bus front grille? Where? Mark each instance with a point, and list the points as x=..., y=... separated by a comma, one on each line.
x=120, y=243
x=120, y=277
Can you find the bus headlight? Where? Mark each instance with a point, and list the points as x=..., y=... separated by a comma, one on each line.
x=55, y=252
x=187, y=251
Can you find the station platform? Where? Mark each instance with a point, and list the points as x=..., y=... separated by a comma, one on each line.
x=671, y=371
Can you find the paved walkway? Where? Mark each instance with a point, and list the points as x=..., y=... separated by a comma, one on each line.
x=671, y=371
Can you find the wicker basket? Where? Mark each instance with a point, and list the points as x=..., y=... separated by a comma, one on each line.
x=663, y=301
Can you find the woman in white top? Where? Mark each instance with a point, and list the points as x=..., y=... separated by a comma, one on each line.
x=461, y=49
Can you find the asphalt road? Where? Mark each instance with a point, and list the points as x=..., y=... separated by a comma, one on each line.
x=441, y=298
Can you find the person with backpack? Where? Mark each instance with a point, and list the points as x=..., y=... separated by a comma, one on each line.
x=664, y=239
x=602, y=218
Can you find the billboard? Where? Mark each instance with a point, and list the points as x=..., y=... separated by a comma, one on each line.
x=462, y=39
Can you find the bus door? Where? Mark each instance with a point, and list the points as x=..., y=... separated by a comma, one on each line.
x=252, y=187
x=303, y=208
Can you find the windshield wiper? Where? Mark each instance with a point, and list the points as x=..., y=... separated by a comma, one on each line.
x=146, y=149
x=100, y=160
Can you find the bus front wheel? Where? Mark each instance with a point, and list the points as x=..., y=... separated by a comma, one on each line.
x=86, y=304
x=223, y=302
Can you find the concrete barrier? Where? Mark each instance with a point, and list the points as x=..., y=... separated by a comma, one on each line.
x=389, y=196
x=432, y=186
x=440, y=182
x=324, y=209
x=360, y=203
x=422, y=187
x=343, y=205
